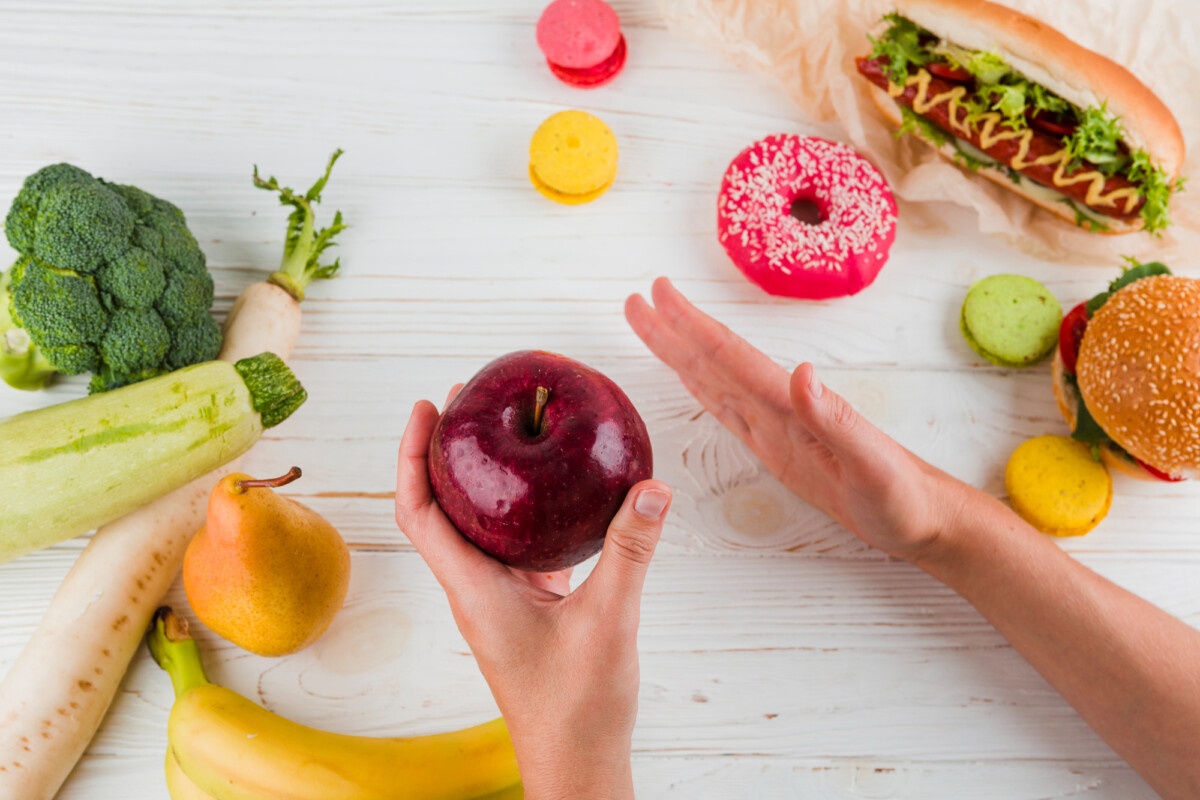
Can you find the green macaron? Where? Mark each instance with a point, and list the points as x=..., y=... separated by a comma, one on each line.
x=1011, y=320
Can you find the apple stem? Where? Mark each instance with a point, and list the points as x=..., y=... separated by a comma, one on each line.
x=543, y=396
x=269, y=483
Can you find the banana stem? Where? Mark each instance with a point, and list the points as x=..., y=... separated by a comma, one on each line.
x=174, y=649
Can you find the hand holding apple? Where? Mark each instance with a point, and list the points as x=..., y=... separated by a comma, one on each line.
x=563, y=667
x=533, y=457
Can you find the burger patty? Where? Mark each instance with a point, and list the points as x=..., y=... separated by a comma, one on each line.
x=1041, y=143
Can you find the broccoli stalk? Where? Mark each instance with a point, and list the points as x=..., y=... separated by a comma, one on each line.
x=304, y=243
x=22, y=364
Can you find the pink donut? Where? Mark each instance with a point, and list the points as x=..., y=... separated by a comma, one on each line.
x=838, y=256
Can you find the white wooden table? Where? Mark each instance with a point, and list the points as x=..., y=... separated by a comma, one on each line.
x=780, y=657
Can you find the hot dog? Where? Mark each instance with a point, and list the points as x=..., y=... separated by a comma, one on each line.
x=1015, y=100
x=1041, y=146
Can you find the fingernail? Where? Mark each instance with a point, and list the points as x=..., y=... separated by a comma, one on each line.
x=814, y=385
x=650, y=503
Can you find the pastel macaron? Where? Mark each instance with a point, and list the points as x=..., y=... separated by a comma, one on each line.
x=1056, y=486
x=573, y=157
x=582, y=42
x=1011, y=320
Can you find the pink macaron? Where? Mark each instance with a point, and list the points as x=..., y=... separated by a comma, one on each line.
x=582, y=41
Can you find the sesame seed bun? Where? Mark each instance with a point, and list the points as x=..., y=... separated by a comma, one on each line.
x=1139, y=372
x=1046, y=56
x=1068, y=399
x=891, y=110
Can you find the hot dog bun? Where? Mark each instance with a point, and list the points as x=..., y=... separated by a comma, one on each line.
x=1071, y=71
x=891, y=110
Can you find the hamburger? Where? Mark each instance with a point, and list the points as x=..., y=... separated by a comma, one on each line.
x=1127, y=374
x=1017, y=102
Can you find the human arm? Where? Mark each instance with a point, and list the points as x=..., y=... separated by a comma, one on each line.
x=1130, y=670
x=562, y=665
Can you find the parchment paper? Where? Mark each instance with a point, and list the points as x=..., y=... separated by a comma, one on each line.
x=809, y=47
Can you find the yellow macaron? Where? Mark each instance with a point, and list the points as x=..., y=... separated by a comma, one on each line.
x=1057, y=487
x=573, y=158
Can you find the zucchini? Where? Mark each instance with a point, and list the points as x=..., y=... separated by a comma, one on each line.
x=72, y=467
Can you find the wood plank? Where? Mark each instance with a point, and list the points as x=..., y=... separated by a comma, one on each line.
x=809, y=659
x=759, y=779
x=781, y=658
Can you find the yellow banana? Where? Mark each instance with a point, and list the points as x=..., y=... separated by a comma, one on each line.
x=180, y=786
x=229, y=748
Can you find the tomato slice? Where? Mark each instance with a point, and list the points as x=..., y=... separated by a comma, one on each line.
x=1051, y=123
x=948, y=72
x=1157, y=473
x=1070, y=336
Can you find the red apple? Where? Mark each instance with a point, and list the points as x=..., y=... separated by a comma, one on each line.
x=533, y=458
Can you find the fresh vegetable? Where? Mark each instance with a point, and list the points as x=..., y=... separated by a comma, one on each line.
x=231, y=747
x=97, y=617
x=22, y=364
x=304, y=244
x=901, y=44
x=1093, y=135
x=1134, y=272
x=71, y=467
x=109, y=281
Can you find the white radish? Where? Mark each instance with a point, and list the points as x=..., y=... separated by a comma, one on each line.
x=57, y=691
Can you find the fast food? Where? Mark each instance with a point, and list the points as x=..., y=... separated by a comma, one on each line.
x=1014, y=100
x=1127, y=374
x=851, y=214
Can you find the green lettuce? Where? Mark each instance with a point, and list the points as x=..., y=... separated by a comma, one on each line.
x=901, y=45
x=914, y=123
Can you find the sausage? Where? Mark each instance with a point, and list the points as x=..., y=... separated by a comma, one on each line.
x=1041, y=143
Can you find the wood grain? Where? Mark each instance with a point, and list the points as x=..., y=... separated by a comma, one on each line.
x=781, y=658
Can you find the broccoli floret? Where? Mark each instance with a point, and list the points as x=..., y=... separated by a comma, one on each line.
x=135, y=280
x=22, y=216
x=110, y=281
x=191, y=344
x=22, y=363
x=73, y=359
x=56, y=307
x=136, y=341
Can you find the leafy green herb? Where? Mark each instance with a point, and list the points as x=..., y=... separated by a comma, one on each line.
x=988, y=68
x=1156, y=187
x=1046, y=100
x=915, y=123
x=1087, y=430
x=967, y=160
x=1097, y=139
x=1131, y=274
x=1083, y=219
x=1011, y=101
x=901, y=45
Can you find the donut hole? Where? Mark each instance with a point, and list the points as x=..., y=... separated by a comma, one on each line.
x=806, y=210
x=573, y=142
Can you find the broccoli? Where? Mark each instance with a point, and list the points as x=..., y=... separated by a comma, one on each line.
x=109, y=281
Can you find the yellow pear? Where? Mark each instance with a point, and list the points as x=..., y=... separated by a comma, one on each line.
x=265, y=572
